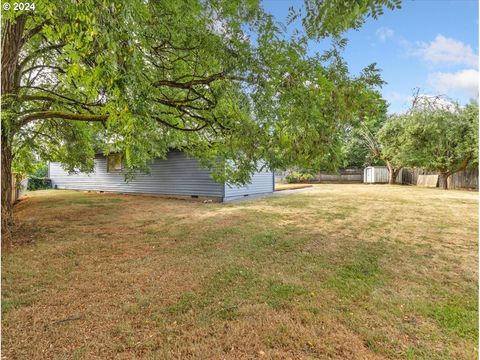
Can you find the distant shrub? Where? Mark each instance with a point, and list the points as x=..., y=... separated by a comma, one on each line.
x=306, y=177
x=39, y=180
x=36, y=183
x=295, y=177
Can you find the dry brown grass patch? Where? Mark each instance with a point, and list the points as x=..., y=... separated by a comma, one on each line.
x=335, y=271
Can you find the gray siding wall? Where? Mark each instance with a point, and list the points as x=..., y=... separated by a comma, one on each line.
x=262, y=182
x=177, y=175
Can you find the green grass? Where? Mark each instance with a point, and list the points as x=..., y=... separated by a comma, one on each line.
x=359, y=275
x=232, y=286
x=280, y=296
x=458, y=316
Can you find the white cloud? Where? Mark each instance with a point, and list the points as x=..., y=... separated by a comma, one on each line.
x=448, y=51
x=402, y=103
x=384, y=33
x=429, y=100
x=464, y=80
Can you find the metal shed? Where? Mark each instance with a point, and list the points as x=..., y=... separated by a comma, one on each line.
x=378, y=175
x=178, y=176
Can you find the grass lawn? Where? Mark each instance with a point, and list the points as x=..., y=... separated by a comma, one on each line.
x=283, y=186
x=334, y=271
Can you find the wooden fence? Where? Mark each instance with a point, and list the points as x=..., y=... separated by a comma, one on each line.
x=467, y=179
x=18, y=188
x=410, y=176
x=343, y=176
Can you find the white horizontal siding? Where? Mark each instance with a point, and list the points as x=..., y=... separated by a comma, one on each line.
x=177, y=175
x=262, y=182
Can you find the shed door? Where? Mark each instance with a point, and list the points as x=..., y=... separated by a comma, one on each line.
x=369, y=175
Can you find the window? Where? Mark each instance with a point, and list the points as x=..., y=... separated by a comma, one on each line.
x=114, y=162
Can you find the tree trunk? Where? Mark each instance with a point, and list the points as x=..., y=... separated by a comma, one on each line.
x=12, y=41
x=7, y=216
x=443, y=180
x=392, y=174
x=392, y=177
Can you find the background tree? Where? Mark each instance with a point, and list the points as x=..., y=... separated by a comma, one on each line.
x=360, y=147
x=320, y=18
x=381, y=140
x=390, y=142
x=442, y=139
x=216, y=79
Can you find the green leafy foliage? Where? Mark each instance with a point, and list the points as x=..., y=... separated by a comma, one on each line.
x=295, y=177
x=322, y=18
x=392, y=142
x=360, y=147
x=433, y=135
x=39, y=178
x=38, y=183
x=442, y=139
x=220, y=80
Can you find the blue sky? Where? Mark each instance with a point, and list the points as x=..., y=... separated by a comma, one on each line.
x=427, y=44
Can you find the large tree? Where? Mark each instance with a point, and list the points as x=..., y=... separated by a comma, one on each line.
x=218, y=79
x=360, y=145
x=442, y=139
x=391, y=145
x=383, y=136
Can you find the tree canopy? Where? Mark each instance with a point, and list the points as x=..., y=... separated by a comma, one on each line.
x=435, y=135
x=360, y=146
x=391, y=145
x=220, y=80
x=441, y=139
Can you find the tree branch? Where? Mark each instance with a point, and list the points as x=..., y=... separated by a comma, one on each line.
x=166, y=123
x=34, y=31
x=43, y=66
x=189, y=84
x=61, y=115
x=61, y=96
x=39, y=52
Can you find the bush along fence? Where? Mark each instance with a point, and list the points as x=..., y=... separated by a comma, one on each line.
x=39, y=183
x=466, y=179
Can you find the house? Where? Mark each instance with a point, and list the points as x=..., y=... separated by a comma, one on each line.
x=176, y=176
x=378, y=175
